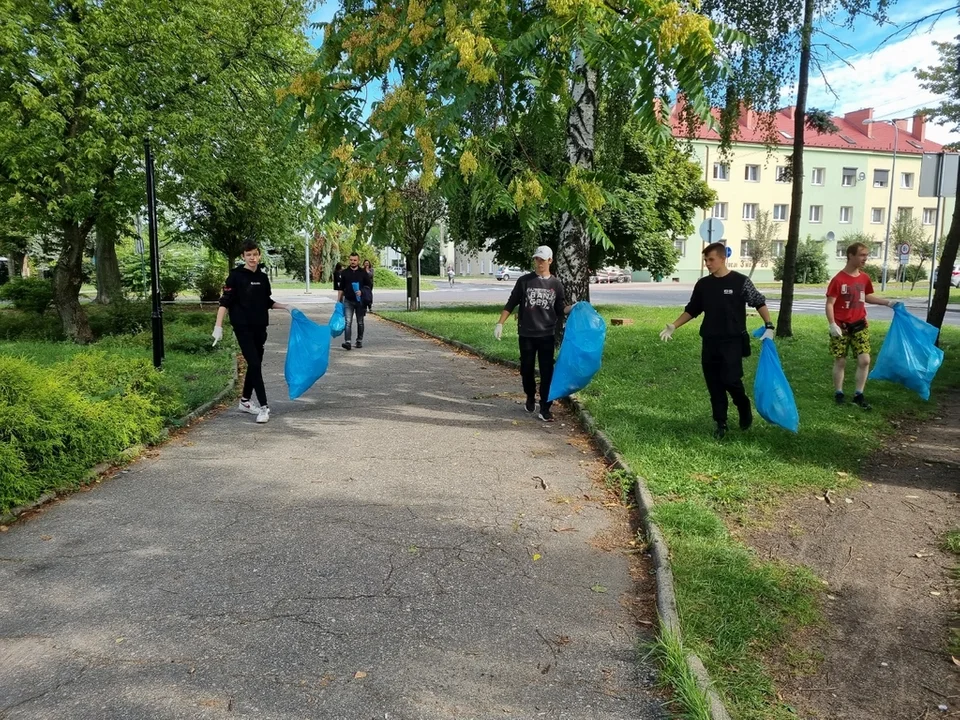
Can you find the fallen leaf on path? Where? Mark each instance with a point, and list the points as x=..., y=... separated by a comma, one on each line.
x=848, y=501
x=955, y=661
x=842, y=474
x=3, y=528
x=46, y=537
x=359, y=675
x=599, y=588
x=537, y=556
x=935, y=593
x=912, y=497
x=923, y=555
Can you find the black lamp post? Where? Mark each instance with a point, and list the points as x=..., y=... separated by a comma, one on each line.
x=157, y=315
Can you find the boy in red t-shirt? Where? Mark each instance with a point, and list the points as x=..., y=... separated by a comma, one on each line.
x=847, y=295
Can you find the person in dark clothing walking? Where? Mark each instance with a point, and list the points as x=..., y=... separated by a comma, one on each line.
x=722, y=297
x=352, y=298
x=367, y=294
x=337, y=272
x=540, y=299
x=246, y=295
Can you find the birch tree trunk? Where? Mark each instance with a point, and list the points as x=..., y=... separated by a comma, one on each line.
x=574, y=247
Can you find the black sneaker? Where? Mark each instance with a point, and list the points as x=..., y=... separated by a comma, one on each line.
x=546, y=416
x=839, y=398
x=345, y=346
x=359, y=344
x=746, y=422
x=530, y=405
x=720, y=431
x=858, y=399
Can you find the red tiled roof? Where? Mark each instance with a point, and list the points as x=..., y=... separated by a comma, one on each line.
x=852, y=133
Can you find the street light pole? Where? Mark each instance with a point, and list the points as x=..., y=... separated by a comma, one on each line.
x=893, y=173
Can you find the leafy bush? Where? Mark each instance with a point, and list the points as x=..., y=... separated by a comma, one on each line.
x=874, y=272
x=811, y=263
x=209, y=280
x=119, y=318
x=385, y=278
x=190, y=318
x=57, y=422
x=30, y=294
x=20, y=325
x=914, y=273
x=192, y=342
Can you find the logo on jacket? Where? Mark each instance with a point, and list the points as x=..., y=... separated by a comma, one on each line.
x=728, y=291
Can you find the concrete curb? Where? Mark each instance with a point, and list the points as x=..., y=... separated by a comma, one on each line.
x=666, y=594
x=124, y=456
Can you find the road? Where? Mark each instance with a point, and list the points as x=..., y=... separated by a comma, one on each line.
x=486, y=292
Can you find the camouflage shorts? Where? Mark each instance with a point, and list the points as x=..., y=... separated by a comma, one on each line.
x=859, y=341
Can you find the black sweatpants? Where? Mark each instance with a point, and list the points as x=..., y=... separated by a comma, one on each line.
x=722, y=362
x=251, y=341
x=539, y=350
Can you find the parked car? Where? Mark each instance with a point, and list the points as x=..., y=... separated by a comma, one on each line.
x=954, y=276
x=617, y=275
x=508, y=273
x=400, y=271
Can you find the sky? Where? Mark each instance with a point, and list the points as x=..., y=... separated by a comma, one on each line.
x=873, y=69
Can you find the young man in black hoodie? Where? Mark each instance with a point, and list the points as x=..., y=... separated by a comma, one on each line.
x=722, y=297
x=353, y=300
x=540, y=297
x=246, y=294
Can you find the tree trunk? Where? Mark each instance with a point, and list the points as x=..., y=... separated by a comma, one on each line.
x=109, y=288
x=785, y=317
x=67, y=279
x=18, y=264
x=941, y=291
x=413, y=283
x=573, y=266
x=752, y=268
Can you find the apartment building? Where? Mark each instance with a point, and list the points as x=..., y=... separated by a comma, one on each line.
x=846, y=186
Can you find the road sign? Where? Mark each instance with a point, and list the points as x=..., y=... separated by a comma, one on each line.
x=711, y=230
x=729, y=252
x=904, y=248
x=938, y=175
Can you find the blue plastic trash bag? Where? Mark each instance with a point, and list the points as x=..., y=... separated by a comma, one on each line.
x=909, y=355
x=337, y=322
x=771, y=392
x=580, y=352
x=308, y=353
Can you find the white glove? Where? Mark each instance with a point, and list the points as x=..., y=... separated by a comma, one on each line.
x=835, y=330
x=498, y=331
x=667, y=332
x=217, y=334
x=767, y=335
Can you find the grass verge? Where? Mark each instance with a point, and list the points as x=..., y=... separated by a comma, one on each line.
x=650, y=400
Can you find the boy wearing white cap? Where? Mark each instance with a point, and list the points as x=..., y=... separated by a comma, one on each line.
x=539, y=295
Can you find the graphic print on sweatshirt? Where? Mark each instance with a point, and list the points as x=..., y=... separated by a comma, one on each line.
x=541, y=297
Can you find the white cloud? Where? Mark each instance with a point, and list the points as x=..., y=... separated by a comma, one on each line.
x=884, y=79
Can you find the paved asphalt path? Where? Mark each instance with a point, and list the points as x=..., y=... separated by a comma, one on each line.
x=403, y=542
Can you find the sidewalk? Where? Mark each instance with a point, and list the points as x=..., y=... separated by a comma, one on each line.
x=401, y=542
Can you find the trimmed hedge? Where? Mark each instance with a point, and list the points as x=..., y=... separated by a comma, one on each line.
x=57, y=422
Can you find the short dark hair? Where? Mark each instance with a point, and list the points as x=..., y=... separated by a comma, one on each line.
x=355, y=254
x=249, y=245
x=855, y=248
x=717, y=247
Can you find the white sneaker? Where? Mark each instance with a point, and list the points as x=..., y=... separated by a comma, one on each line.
x=248, y=407
x=263, y=415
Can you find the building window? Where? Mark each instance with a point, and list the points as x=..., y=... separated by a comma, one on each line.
x=875, y=249
x=681, y=247
x=849, y=177
x=816, y=213
x=720, y=211
x=841, y=250
x=781, y=213
x=777, y=249
x=751, y=173
x=876, y=215
x=818, y=175
x=881, y=178
x=906, y=181
x=749, y=211
x=721, y=171
x=904, y=213
x=929, y=216
x=745, y=249
x=846, y=214
x=783, y=175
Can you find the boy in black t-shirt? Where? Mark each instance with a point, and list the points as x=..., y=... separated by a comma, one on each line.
x=246, y=294
x=722, y=297
x=540, y=297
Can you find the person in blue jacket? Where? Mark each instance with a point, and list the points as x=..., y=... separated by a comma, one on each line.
x=246, y=295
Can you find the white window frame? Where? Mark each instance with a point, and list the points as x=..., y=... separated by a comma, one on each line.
x=818, y=214
x=875, y=250
x=723, y=211
x=850, y=173
x=849, y=214
x=786, y=212
x=818, y=173
x=744, y=249
x=902, y=212
x=841, y=250
x=903, y=180
x=680, y=246
x=747, y=173
x=721, y=171
x=877, y=182
x=755, y=209
x=929, y=216
x=873, y=215
x=778, y=248
x=780, y=174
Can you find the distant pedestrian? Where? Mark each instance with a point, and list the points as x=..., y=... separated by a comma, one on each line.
x=722, y=297
x=246, y=295
x=847, y=295
x=450, y=275
x=353, y=280
x=368, y=292
x=337, y=272
x=540, y=299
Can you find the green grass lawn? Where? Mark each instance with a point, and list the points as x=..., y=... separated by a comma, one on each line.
x=650, y=399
